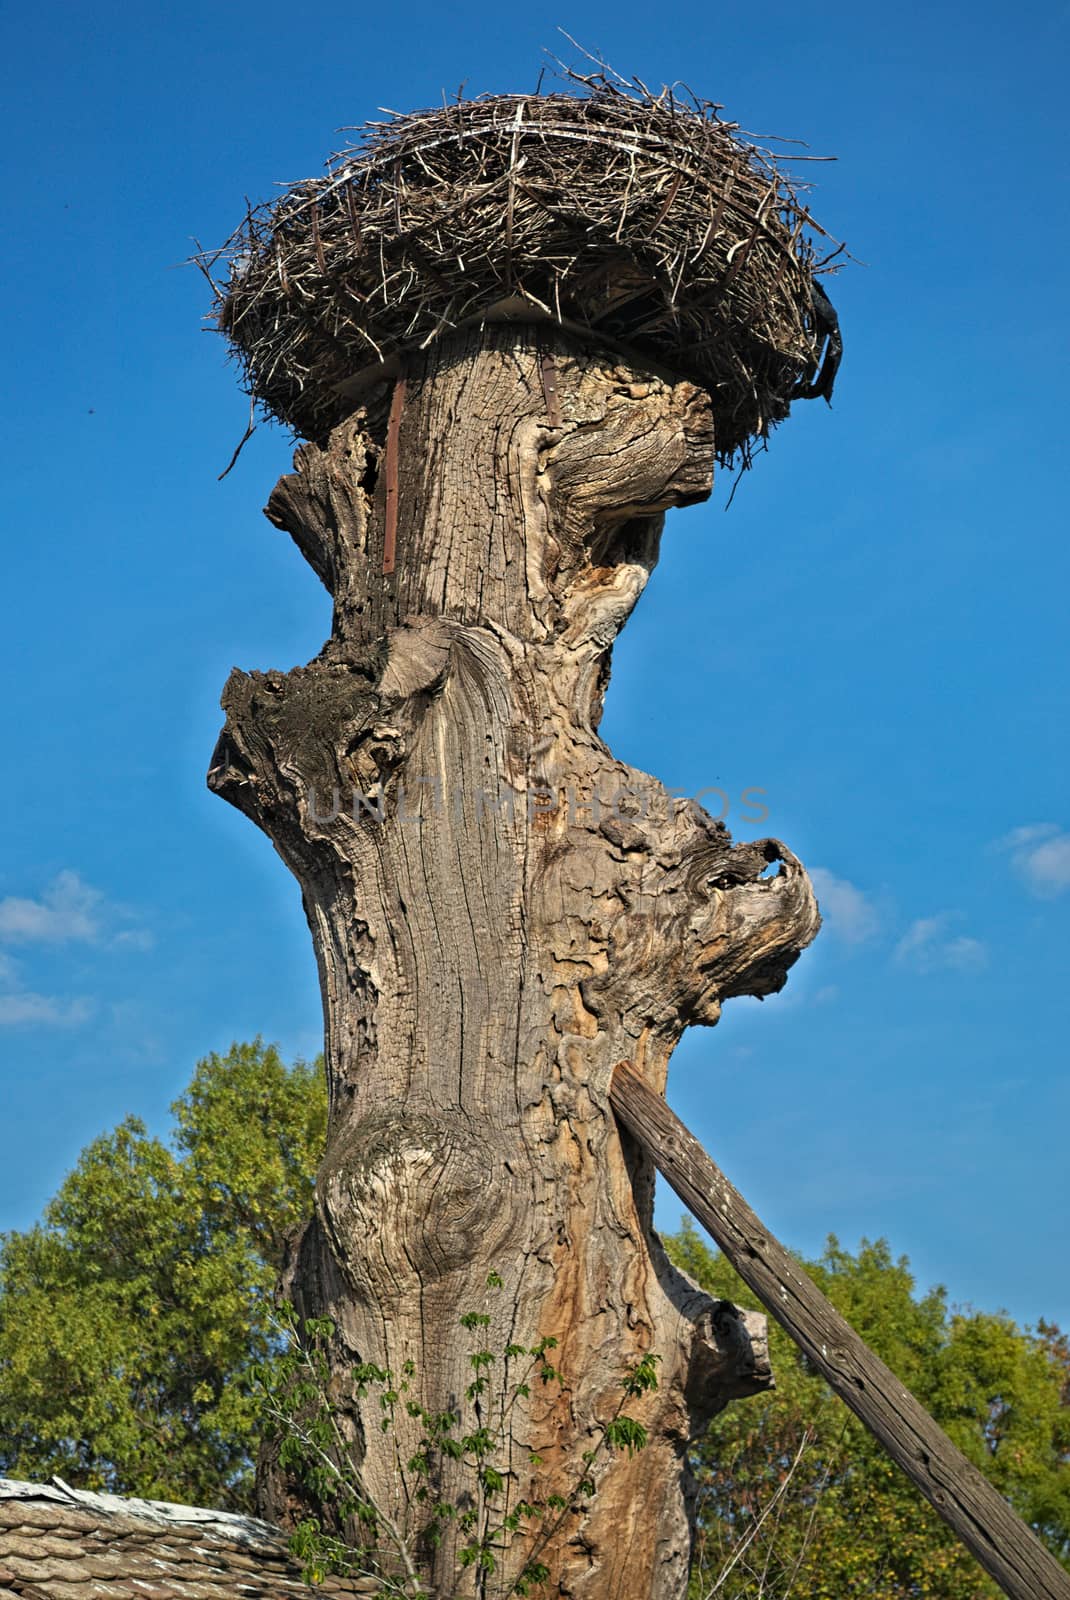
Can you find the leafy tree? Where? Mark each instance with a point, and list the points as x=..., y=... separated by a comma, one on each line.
x=132, y=1317
x=797, y=1497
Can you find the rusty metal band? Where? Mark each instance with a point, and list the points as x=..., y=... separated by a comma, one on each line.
x=393, y=430
x=549, y=390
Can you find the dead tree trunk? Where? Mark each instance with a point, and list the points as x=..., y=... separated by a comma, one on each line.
x=501, y=911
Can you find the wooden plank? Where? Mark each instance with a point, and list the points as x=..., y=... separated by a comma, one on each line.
x=390, y=518
x=1006, y=1548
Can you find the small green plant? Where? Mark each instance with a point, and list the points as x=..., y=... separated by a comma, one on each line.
x=498, y=1531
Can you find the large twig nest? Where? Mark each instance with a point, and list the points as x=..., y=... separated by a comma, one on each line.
x=631, y=218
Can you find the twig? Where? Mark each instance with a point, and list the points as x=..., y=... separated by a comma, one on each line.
x=753, y=1532
x=242, y=442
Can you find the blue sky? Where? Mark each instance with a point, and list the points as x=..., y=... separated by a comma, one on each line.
x=874, y=634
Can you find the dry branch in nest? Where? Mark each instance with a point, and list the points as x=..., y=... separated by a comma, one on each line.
x=633, y=219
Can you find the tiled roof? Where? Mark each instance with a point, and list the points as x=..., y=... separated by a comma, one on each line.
x=58, y=1543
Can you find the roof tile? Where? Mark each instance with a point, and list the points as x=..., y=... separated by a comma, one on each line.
x=58, y=1543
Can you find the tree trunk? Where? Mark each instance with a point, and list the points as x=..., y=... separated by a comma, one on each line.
x=501, y=911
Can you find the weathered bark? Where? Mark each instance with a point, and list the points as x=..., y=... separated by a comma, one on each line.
x=512, y=913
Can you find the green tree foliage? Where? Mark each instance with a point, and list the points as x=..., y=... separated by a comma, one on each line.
x=132, y=1317
x=797, y=1497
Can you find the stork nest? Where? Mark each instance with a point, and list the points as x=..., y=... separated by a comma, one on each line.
x=632, y=219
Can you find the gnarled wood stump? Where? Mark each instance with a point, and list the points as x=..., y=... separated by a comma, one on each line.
x=501, y=912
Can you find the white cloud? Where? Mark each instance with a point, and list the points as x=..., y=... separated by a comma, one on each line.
x=929, y=946
x=965, y=954
x=26, y=1009
x=848, y=912
x=22, y=1008
x=1040, y=854
x=70, y=911
x=919, y=935
x=67, y=910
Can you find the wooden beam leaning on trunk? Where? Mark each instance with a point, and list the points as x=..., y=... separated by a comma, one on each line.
x=1006, y=1548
